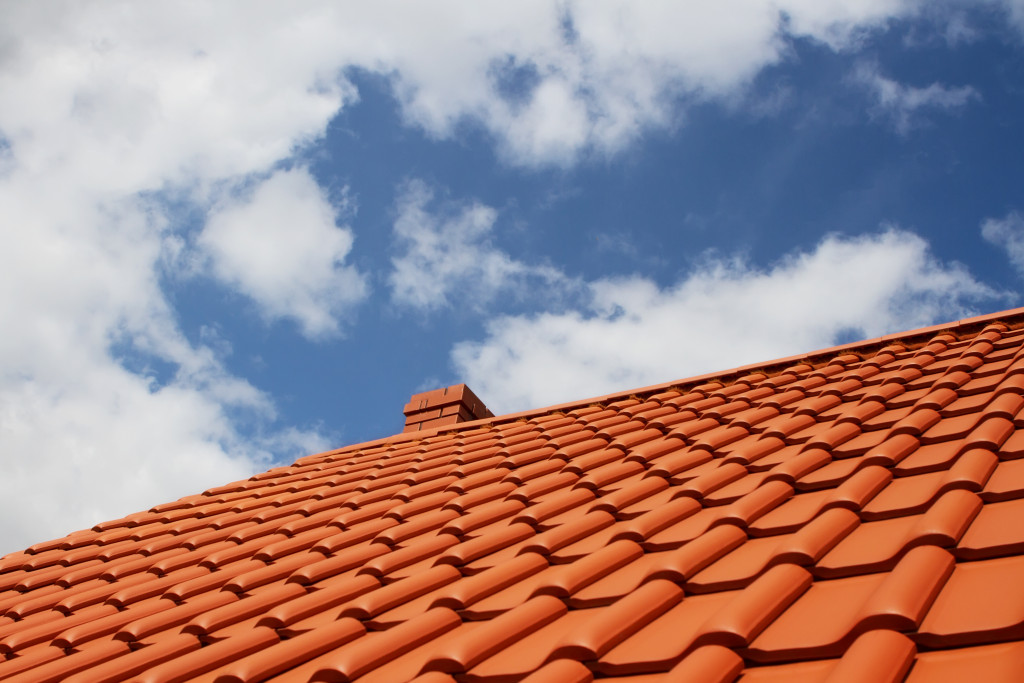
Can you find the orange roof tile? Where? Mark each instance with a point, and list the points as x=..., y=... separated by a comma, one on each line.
x=854, y=514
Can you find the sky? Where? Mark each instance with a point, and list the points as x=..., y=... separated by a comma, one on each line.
x=236, y=233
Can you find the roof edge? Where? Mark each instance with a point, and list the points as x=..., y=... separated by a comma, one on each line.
x=963, y=324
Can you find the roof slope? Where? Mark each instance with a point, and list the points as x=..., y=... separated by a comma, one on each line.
x=857, y=514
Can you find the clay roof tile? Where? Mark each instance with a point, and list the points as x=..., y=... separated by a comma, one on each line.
x=853, y=513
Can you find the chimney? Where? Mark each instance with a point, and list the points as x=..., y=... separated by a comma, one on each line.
x=443, y=407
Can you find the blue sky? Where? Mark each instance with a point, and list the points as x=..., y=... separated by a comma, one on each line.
x=240, y=233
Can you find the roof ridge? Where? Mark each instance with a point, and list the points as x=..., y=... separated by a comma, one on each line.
x=819, y=357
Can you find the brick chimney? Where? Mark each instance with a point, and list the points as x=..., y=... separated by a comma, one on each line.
x=443, y=407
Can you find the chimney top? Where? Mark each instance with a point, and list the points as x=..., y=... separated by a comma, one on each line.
x=443, y=407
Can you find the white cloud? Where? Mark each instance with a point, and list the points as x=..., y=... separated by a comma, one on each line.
x=126, y=85
x=1016, y=11
x=722, y=315
x=278, y=243
x=902, y=103
x=1008, y=234
x=446, y=255
x=105, y=105
x=105, y=406
x=132, y=97
x=843, y=24
x=595, y=75
x=84, y=438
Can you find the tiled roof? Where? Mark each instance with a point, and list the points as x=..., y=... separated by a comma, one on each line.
x=852, y=515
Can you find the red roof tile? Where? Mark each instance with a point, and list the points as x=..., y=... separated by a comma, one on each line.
x=854, y=514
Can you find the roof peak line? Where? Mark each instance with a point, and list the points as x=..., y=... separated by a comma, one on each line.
x=1010, y=319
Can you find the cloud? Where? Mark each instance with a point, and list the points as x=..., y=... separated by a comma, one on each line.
x=118, y=125
x=133, y=97
x=446, y=256
x=1015, y=8
x=1008, y=234
x=278, y=244
x=901, y=104
x=121, y=123
x=555, y=81
x=722, y=315
x=549, y=80
x=105, y=406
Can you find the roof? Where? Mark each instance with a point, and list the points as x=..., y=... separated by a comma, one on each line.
x=855, y=513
